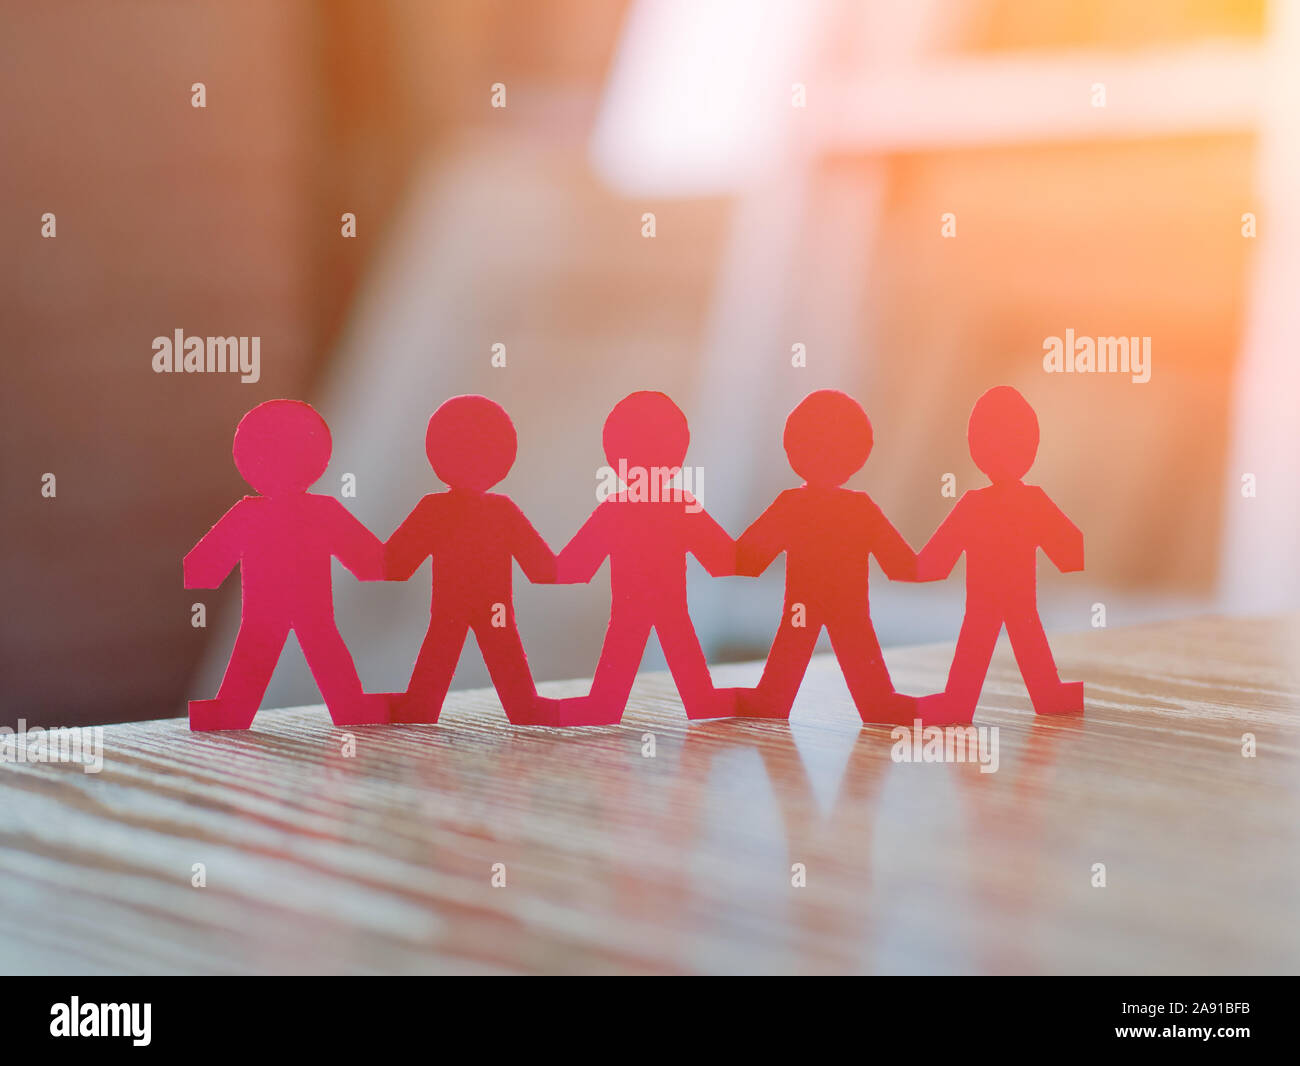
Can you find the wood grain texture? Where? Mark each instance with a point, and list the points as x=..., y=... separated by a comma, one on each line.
x=618, y=863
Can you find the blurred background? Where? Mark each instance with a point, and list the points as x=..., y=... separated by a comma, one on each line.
x=799, y=159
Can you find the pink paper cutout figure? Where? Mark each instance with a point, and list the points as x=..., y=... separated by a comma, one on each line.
x=1000, y=528
x=646, y=529
x=283, y=541
x=827, y=533
x=474, y=536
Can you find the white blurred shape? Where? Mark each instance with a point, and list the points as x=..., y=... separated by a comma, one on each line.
x=699, y=93
x=1261, y=567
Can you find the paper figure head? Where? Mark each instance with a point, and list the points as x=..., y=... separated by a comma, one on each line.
x=471, y=443
x=282, y=446
x=1003, y=434
x=649, y=431
x=827, y=438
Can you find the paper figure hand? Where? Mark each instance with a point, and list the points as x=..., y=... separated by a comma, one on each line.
x=931, y=568
x=1070, y=562
x=203, y=570
x=398, y=562
x=905, y=566
x=543, y=571
x=579, y=560
x=1074, y=567
x=371, y=571
x=935, y=561
x=752, y=558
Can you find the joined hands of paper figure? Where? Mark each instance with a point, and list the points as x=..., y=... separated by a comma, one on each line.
x=284, y=538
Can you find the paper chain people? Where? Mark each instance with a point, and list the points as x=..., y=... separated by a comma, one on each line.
x=284, y=538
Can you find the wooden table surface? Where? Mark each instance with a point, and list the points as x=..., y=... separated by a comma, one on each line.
x=382, y=860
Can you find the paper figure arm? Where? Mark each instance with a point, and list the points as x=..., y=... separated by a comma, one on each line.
x=210, y=561
x=408, y=547
x=895, y=555
x=712, y=545
x=1061, y=539
x=579, y=560
x=353, y=544
x=536, y=559
x=935, y=561
x=762, y=542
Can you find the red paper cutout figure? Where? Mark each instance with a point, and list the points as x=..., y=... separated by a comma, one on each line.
x=646, y=530
x=1001, y=528
x=827, y=533
x=473, y=536
x=283, y=541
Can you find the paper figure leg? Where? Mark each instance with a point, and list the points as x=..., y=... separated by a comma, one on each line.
x=690, y=670
x=1047, y=692
x=332, y=666
x=863, y=664
x=434, y=666
x=252, y=662
x=787, y=662
x=620, y=656
x=970, y=665
x=507, y=664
